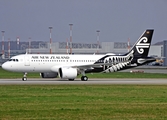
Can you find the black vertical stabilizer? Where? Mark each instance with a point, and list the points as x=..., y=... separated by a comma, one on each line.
x=141, y=47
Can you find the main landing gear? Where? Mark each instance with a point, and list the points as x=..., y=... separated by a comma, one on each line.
x=83, y=78
x=24, y=78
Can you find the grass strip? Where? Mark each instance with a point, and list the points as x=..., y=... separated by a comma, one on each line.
x=99, y=102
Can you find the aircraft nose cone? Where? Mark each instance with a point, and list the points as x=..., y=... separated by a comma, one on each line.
x=5, y=66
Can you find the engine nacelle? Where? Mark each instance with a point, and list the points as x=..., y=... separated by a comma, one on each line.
x=68, y=73
x=49, y=75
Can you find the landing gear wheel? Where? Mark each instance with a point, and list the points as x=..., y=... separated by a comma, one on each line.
x=24, y=78
x=84, y=78
x=71, y=79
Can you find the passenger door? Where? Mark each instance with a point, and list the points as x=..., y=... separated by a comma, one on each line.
x=26, y=60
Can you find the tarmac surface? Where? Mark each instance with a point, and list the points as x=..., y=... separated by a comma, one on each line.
x=57, y=81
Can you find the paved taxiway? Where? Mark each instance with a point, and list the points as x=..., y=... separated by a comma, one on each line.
x=77, y=81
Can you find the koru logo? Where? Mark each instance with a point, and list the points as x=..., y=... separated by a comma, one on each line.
x=140, y=46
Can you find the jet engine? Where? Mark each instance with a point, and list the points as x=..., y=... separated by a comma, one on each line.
x=49, y=75
x=68, y=73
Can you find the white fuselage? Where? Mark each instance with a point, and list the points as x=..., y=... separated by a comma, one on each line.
x=47, y=62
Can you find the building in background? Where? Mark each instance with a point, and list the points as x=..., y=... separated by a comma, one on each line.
x=84, y=48
x=165, y=53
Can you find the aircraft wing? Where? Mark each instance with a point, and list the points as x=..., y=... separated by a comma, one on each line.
x=84, y=67
x=87, y=66
x=90, y=66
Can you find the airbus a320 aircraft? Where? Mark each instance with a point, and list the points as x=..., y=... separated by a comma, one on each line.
x=69, y=66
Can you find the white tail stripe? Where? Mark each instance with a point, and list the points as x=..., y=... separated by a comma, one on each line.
x=144, y=44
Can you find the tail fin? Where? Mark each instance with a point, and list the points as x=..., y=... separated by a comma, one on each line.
x=142, y=46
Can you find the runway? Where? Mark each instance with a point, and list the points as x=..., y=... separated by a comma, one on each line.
x=112, y=81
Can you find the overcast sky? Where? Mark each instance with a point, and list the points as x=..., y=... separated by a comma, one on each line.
x=117, y=20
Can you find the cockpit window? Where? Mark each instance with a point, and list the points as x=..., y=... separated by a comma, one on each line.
x=15, y=60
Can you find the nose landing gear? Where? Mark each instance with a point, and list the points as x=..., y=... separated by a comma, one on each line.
x=24, y=78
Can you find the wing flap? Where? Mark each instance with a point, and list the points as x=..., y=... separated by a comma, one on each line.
x=91, y=66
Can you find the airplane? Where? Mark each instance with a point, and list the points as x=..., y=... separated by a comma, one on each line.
x=68, y=66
